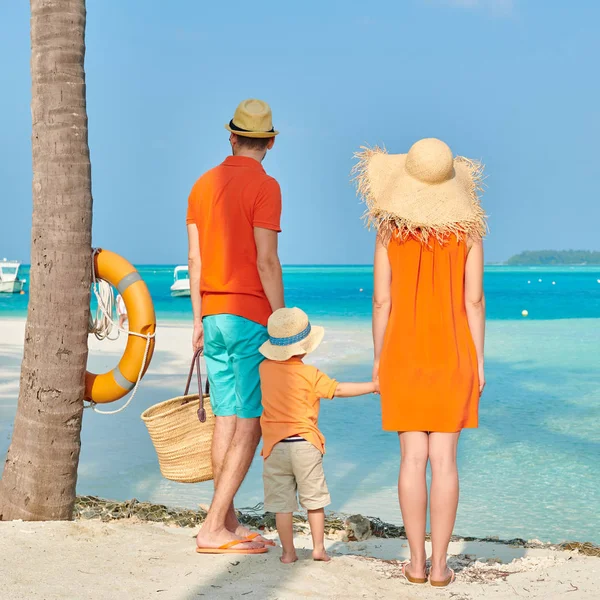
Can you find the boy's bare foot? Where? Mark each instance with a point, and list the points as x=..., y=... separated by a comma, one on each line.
x=321, y=555
x=288, y=558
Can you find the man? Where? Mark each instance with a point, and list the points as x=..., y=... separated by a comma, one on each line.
x=233, y=221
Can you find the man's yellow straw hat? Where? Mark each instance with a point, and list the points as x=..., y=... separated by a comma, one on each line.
x=252, y=118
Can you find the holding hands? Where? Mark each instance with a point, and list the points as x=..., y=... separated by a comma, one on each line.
x=375, y=376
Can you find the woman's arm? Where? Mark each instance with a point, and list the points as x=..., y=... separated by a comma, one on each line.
x=382, y=300
x=194, y=268
x=475, y=304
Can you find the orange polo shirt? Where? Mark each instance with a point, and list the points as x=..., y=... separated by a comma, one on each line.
x=226, y=204
x=291, y=398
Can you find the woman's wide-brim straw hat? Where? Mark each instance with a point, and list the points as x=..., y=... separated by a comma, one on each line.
x=290, y=334
x=426, y=192
x=252, y=118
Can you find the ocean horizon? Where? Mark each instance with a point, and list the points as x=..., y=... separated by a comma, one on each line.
x=530, y=470
x=344, y=291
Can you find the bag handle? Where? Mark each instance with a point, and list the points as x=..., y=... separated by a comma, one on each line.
x=196, y=363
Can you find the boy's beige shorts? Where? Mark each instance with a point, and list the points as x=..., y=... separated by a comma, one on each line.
x=294, y=468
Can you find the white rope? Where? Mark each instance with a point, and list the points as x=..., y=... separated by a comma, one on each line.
x=105, y=306
x=101, y=325
x=93, y=405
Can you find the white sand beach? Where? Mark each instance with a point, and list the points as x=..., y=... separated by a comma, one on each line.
x=92, y=560
x=128, y=559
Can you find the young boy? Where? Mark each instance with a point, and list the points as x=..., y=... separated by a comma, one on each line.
x=293, y=446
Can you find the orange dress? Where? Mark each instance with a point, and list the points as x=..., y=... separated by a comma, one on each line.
x=428, y=367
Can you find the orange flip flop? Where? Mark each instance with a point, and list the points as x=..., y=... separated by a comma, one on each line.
x=229, y=548
x=446, y=581
x=266, y=541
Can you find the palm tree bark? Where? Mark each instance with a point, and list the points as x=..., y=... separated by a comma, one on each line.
x=40, y=472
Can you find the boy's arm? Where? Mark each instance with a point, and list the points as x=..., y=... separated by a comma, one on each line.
x=269, y=268
x=325, y=387
x=349, y=390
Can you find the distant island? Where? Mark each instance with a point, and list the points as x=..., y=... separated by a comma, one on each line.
x=555, y=257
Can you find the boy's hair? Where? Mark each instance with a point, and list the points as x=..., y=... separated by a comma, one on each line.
x=253, y=143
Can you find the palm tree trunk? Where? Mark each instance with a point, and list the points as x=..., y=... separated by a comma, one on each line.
x=40, y=472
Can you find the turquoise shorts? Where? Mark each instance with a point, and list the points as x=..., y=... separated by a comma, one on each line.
x=231, y=346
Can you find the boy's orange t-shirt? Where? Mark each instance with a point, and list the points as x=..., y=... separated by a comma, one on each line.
x=291, y=397
x=226, y=204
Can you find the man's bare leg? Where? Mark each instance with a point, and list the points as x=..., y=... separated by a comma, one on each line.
x=223, y=435
x=229, y=476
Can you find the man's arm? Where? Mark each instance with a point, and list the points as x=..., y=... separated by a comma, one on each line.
x=194, y=266
x=269, y=268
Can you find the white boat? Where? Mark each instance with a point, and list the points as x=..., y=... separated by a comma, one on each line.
x=9, y=277
x=181, y=282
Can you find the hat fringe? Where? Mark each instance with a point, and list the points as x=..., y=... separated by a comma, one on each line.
x=390, y=225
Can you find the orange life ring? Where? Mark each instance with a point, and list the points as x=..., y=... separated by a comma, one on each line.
x=118, y=382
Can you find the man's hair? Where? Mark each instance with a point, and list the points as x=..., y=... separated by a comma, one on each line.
x=253, y=143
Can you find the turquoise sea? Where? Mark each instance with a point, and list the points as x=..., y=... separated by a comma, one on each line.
x=531, y=470
x=344, y=292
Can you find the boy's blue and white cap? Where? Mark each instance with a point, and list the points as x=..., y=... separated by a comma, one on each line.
x=290, y=334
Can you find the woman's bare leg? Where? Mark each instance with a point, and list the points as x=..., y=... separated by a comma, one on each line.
x=412, y=491
x=443, y=500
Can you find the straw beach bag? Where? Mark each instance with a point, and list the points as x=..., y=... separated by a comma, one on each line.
x=181, y=430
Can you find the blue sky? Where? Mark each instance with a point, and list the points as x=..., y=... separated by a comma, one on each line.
x=506, y=81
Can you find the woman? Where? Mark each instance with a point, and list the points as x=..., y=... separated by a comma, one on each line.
x=428, y=327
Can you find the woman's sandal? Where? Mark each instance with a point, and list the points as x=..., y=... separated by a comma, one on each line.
x=450, y=579
x=410, y=578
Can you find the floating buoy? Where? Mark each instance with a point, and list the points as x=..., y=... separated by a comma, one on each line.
x=598, y=280
x=114, y=384
x=529, y=282
x=539, y=280
x=525, y=313
x=554, y=283
x=360, y=290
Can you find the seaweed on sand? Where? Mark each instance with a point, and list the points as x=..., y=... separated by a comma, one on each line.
x=92, y=507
